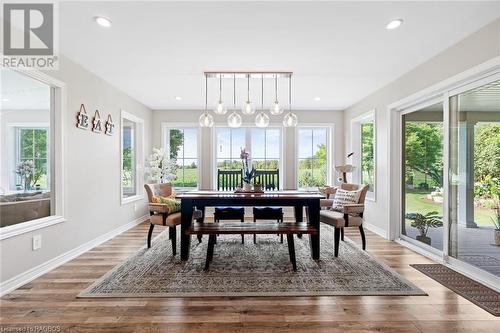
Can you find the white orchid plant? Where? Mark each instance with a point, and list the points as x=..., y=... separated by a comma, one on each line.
x=159, y=167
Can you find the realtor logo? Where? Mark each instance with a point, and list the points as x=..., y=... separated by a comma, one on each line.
x=29, y=35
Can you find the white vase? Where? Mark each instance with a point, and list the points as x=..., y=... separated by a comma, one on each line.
x=247, y=187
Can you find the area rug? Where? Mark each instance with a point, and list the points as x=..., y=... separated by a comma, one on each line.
x=261, y=269
x=484, y=297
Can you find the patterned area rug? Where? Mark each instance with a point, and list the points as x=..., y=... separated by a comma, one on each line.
x=484, y=297
x=261, y=269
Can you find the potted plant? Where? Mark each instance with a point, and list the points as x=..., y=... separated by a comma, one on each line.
x=423, y=223
x=496, y=222
x=248, y=170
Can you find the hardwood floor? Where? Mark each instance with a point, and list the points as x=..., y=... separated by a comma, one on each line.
x=48, y=304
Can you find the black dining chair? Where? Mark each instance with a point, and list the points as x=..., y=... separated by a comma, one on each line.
x=270, y=181
x=229, y=180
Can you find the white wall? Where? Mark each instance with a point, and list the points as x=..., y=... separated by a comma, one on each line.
x=320, y=118
x=471, y=51
x=92, y=171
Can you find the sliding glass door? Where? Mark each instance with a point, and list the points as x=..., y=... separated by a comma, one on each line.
x=423, y=176
x=474, y=177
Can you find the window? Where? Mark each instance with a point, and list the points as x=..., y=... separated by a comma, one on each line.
x=264, y=145
x=313, y=156
x=131, y=157
x=32, y=144
x=182, y=147
x=363, y=145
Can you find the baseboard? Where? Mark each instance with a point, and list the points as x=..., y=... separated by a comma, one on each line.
x=31, y=274
x=373, y=228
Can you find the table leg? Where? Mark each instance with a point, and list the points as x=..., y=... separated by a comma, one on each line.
x=312, y=211
x=201, y=220
x=186, y=220
x=299, y=216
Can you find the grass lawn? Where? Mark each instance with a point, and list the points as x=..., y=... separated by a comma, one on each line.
x=190, y=178
x=416, y=202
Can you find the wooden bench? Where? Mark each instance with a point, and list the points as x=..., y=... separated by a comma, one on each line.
x=235, y=228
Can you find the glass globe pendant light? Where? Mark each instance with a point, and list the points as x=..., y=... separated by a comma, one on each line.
x=248, y=108
x=234, y=119
x=276, y=108
x=290, y=119
x=220, y=108
x=206, y=119
x=262, y=119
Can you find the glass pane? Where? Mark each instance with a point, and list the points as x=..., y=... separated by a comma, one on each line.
x=367, y=162
x=25, y=191
x=191, y=143
x=259, y=164
x=238, y=142
x=187, y=173
x=423, y=176
x=305, y=176
x=475, y=177
x=176, y=143
x=319, y=143
x=258, y=143
x=319, y=172
x=305, y=143
x=272, y=164
x=128, y=159
x=273, y=143
x=223, y=143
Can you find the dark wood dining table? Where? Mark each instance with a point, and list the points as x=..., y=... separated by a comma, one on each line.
x=296, y=199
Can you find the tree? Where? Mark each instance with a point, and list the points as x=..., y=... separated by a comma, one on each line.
x=367, y=161
x=424, y=150
x=176, y=141
x=487, y=151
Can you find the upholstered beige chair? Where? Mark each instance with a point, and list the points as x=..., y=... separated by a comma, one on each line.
x=159, y=214
x=351, y=216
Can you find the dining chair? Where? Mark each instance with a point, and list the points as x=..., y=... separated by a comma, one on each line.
x=270, y=181
x=348, y=215
x=229, y=180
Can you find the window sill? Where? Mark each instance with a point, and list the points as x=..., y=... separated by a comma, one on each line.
x=133, y=198
x=24, y=227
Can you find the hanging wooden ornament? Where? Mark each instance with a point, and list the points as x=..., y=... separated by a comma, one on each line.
x=96, y=123
x=109, y=127
x=82, y=118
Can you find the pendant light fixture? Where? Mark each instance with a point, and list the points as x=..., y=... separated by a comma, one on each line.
x=290, y=119
x=220, y=108
x=262, y=119
x=234, y=119
x=206, y=119
x=276, y=108
x=248, y=108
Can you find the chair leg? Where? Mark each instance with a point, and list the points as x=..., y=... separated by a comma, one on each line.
x=216, y=221
x=337, y=240
x=210, y=251
x=363, y=238
x=342, y=234
x=281, y=236
x=150, y=233
x=242, y=235
x=200, y=238
x=254, y=235
x=291, y=250
x=172, y=232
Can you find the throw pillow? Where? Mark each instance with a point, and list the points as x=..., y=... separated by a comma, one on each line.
x=343, y=197
x=173, y=205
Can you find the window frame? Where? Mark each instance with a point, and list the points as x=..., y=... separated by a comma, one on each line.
x=356, y=147
x=248, y=141
x=139, y=157
x=57, y=134
x=329, y=153
x=165, y=128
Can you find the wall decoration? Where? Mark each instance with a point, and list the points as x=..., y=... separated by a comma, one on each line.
x=109, y=127
x=82, y=118
x=96, y=123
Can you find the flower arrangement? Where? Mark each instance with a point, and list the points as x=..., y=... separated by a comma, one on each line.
x=248, y=169
x=159, y=167
x=25, y=170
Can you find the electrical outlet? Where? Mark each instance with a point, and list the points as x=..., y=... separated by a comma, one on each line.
x=37, y=242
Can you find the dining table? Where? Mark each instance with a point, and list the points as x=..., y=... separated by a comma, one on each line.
x=299, y=200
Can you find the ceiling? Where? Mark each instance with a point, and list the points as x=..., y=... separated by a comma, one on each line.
x=338, y=51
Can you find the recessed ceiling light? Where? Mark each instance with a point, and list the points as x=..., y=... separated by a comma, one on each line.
x=178, y=98
x=394, y=24
x=317, y=99
x=102, y=21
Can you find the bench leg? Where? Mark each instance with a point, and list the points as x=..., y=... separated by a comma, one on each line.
x=363, y=238
x=337, y=240
x=210, y=251
x=342, y=234
x=281, y=236
x=291, y=250
x=199, y=238
x=254, y=235
x=242, y=235
x=172, y=233
x=150, y=233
